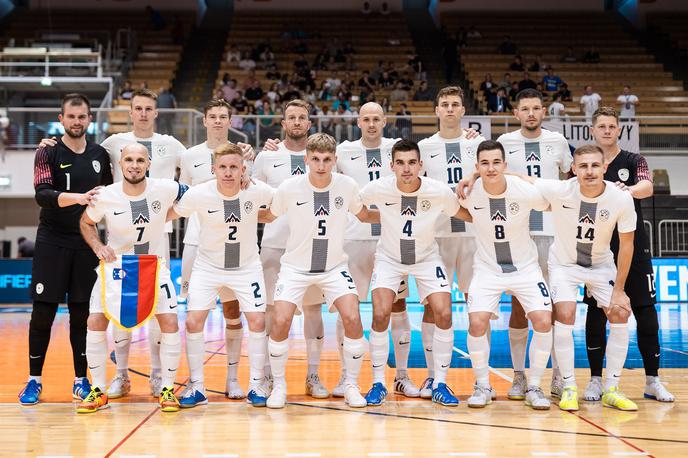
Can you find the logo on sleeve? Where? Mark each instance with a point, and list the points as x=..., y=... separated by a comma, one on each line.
x=624, y=174
x=96, y=166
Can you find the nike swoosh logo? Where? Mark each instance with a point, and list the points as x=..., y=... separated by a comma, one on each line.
x=428, y=349
x=34, y=357
x=94, y=367
x=401, y=291
x=298, y=204
x=593, y=348
x=387, y=204
x=278, y=165
x=355, y=157
x=434, y=156
x=260, y=305
x=319, y=337
x=403, y=343
x=512, y=152
x=357, y=357
x=256, y=379
x=274, y=356
x=568, y=208
x=172, y=370
x=64, y=166
x=615, y=376
x=547, y=304
x=375, y=367
x=657, y=355
x=83, y=354
x=478, y=208
x=173, y=306
x=118, y=341
x=119, y=213
x=444, y=284
x=198, y=165
x=444, y=366
x=233, y=364
x=213, y=211
x=566, y=378
x=352, y=287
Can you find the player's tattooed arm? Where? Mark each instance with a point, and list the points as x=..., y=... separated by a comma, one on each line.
x=369, y=215
x=89, y=232
x=265, y=216
x=464, y=215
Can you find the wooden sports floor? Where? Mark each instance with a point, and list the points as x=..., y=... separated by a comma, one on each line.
x=133, y=426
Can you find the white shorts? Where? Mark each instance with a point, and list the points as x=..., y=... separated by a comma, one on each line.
x=167, y=297
x=270, y=258
x=335, y=283
x=543, y=244
x=208, y=281
x=566, y=279
x=487, y=287
x=361, y=264
x=431, y=275
x=193, y=230
x=457, y=255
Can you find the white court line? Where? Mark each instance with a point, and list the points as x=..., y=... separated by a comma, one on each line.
x=136, y=456
x=549, y=454
x=303, y=454
x=385, y=454
x=222, y=455
x=630, y=453
x=467, y=454
x=54, y=456
x=675, y=351
x=466, y=355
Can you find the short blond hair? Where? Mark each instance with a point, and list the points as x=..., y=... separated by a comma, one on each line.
x=297, y=103
x=226, y=150
x=322, y=143
x=587, y=149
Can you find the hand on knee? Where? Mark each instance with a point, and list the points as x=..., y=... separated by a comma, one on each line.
x=618, y=315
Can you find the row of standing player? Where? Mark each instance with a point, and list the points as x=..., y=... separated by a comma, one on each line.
x=452, y=117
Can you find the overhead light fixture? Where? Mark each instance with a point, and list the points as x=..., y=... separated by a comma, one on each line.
x=46, y=81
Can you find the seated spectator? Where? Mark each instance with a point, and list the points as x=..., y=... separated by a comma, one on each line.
x=545, y=95
x=416, y=66
x=392, y=70
x=569, y=56
x=233, y=55
x=366, y=9
x=551, y=82
x=126, y=91
x=249, y=127
x=325, y=119
x=273, y=94
x=538, y=65
x=506, y=82
x=513, y=91
x=386, y=107
x=385, y=80
x=235, y=121
x=384, y=9
x=25, y=247
x=474, y=33
x=255, y=92
x=487, y=86
x=406, y=81
x=556, y=110
x=246, y=63
x=344, y=93
x=267, y=57
x=250, y=80
x=334, y=81
x=507, y=46
x=376, y=72
x=591, y=56
x=325, y=91
x=240, y=103
x=229, y=90
x=499, y=102
x=627, y=103
x=348, y=48
x=423, y=94
x=341, y=100
x=517, y=64
x=526, y=82
x=272, y=73
x=366, y=82
x=564, y=93
x=398, y=94
x=403, y=122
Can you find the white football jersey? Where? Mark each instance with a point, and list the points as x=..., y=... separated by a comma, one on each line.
x=364, y=165
x=273, y=168
x=136, y=224
x=196, y=165
x=164, y=151
x=449, y=160
x=542, y=157
x=317, y=219
x=409, y=219
x=501, y=225
x=228, y=238
x=584, y=226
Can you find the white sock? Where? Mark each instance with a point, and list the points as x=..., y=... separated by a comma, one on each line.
x=37, y=378
x=233, y=347
x=268, y=324
x=379, y=352
x=555, y=364
x=427, y=333
x=256, y=357
x=563, y=343
x=279, y=353
x=479, y=350
x=314, y=333
x=188, y=258
x=442, y=344
x=154, y=339
x=122, y=340
x=401, y=338
x=540, y=348
x=354, y=349
x=340, y=343
x=195, y=350
x=518, y=342
x=96, y=355
x=617, y=348
x=170, y=351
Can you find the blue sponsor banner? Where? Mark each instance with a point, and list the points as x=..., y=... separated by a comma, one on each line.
x=671, y=281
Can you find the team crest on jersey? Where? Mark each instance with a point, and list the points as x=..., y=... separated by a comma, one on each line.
x=425, y=205
x=408, y=211
x=533, y=156
x=161, y=150
x=338, y=202
x=549, y=150
x=514, y=208
x=96, y=166
x=232, y=218
x=374, y=163
x=497, y=216
x=586, y=219
x=118, y=274
x=248, y=206
x=624, y=174
x=278, y=289
x=604, y=214
x=322, y=211
x=156, y=206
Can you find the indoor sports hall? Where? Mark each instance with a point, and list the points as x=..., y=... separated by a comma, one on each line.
x=254, y=56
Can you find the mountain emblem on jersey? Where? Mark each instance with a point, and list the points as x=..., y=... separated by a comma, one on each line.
x=248, y=206
x=298, y=170
x=408, y=211
x=453, y=159
x=586, y=219
x=232, y=218
x=497, y=216
x=604, y=214
x=374, y=163
x=322, y=211
x=533, y=156
x=141, y=219
x=338, y=202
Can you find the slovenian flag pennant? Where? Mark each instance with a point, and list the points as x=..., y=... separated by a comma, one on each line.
x=129, y=289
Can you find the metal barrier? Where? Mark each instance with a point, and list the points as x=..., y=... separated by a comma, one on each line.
x=673, y=237
x=648, y=230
